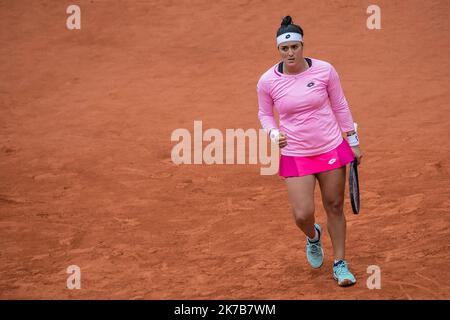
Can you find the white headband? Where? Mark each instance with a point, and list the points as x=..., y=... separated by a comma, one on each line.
x=290, y=36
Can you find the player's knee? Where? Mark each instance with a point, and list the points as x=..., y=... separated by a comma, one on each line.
x=303, y=215
x=334, y=207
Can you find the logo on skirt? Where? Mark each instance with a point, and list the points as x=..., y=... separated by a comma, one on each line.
x=332, y=161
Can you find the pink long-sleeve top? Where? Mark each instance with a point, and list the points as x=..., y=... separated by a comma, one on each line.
x=311, y=107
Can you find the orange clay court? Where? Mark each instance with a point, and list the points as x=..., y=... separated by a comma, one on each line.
x=86, y=176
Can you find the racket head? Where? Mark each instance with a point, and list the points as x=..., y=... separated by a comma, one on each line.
x=354, y=186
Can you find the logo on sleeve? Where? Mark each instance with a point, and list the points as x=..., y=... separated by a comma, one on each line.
x=309, y=85
x=332, y=161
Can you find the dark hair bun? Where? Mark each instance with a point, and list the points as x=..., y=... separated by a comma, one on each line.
x=288, y=26
x=286, y=21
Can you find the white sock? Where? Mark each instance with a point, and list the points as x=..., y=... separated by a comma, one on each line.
x=316, y=236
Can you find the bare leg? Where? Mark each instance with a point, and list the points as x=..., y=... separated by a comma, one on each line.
x=332, y=186
x=301, y=197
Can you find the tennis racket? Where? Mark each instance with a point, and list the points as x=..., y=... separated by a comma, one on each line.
x=353, y=183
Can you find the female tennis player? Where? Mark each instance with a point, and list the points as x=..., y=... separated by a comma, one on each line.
x=313, y=113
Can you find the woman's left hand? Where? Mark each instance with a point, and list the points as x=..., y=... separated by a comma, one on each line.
x=358, y=154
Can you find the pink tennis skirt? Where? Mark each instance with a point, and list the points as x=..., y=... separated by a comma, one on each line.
x=295, y=166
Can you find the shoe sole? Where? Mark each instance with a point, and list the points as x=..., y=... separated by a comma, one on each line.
x=345, y=282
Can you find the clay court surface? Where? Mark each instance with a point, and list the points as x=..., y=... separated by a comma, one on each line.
x=86, y=176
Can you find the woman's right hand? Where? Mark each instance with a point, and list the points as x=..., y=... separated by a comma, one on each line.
x=282, y=142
